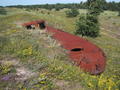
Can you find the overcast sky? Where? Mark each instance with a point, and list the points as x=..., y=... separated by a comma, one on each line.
x=30, y=2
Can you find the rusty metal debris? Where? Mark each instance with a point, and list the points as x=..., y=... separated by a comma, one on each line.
x=85, y=54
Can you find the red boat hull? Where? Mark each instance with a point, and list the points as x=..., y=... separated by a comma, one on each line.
x=85, y=54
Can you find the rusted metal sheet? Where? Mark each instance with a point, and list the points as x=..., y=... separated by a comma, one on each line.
x=85, y=54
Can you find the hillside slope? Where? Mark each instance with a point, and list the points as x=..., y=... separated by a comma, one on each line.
x=33, y=60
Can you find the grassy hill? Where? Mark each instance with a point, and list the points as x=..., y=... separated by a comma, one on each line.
x=33, y=60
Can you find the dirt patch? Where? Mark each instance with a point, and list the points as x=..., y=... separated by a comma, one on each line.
x=66, y=85
x=22, y=73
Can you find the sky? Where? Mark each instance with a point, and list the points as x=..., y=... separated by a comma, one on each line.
x=32, y=2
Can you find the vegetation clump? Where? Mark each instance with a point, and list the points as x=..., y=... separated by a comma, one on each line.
x=96, y=6
x=88, y=26
x=72, y=13
x=3, y=11
x=119, y=13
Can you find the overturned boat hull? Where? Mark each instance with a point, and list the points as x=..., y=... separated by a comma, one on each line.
x=85, y=54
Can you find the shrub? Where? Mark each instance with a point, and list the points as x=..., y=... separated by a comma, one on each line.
x=119, y=13
x=72, y=13
x=27, y=9
x=57, y=9
x=3, y=11
x=88, y=26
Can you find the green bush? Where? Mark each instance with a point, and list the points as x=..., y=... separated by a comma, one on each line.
x=57, y=9
x=3, y=11
x=88, y=26
x=119, y=13
x=72, y=13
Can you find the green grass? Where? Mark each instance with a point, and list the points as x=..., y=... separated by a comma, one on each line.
x=44, y=56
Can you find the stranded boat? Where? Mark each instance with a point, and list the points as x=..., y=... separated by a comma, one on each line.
x=85, y=54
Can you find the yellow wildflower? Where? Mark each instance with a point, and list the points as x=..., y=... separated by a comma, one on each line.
x=27, y=51
x=11, y=31
x=90, y=84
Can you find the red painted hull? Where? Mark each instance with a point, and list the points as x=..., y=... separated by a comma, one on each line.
x=88, y=56
x=91, y=58
x=33, y=23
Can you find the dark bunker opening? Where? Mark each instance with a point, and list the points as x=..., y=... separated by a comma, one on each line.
x=77, y=49
x=28, y=27
x=42, y=25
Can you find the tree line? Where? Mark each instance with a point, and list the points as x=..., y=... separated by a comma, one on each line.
x=114, y=6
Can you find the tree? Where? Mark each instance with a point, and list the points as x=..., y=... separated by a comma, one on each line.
x=114, y=6
x=72, y=13
x=96, y=6
x=87, y=26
